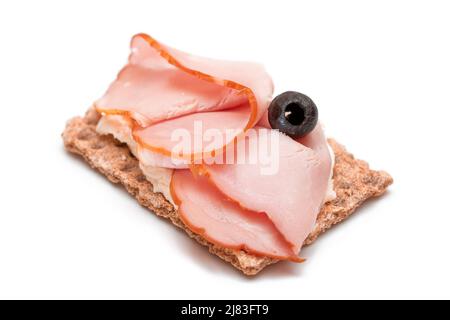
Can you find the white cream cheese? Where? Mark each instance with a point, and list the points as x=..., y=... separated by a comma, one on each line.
x=331, y=194
x=120, y=129
x=159, y=177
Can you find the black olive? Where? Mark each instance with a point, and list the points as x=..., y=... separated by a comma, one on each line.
x=293, y=113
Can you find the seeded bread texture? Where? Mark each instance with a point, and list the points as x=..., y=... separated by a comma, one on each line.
x=354, y=183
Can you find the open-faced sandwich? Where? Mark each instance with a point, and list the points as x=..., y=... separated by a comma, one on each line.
x=203, y=143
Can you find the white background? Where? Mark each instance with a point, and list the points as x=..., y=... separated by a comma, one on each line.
x=379, y=72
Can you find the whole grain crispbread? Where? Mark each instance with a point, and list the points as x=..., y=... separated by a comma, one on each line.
x=354, y=183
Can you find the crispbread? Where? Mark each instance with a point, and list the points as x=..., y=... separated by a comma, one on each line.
x=354, y=183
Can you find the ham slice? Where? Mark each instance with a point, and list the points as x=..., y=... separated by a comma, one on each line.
x=293, y=195
x=160, y=83
x=317, y=141
x=207, y=212
x=191, y=134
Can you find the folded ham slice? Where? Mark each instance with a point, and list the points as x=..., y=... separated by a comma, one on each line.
x=160, y=83
x=207, y=212
x=164, y=137
x=292, y=196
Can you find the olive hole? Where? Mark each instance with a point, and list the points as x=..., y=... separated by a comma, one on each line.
x=294, y=114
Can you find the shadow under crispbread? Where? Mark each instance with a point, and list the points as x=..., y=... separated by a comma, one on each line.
x=354, y=183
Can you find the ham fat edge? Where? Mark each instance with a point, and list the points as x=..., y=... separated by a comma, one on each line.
x=232, y=205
